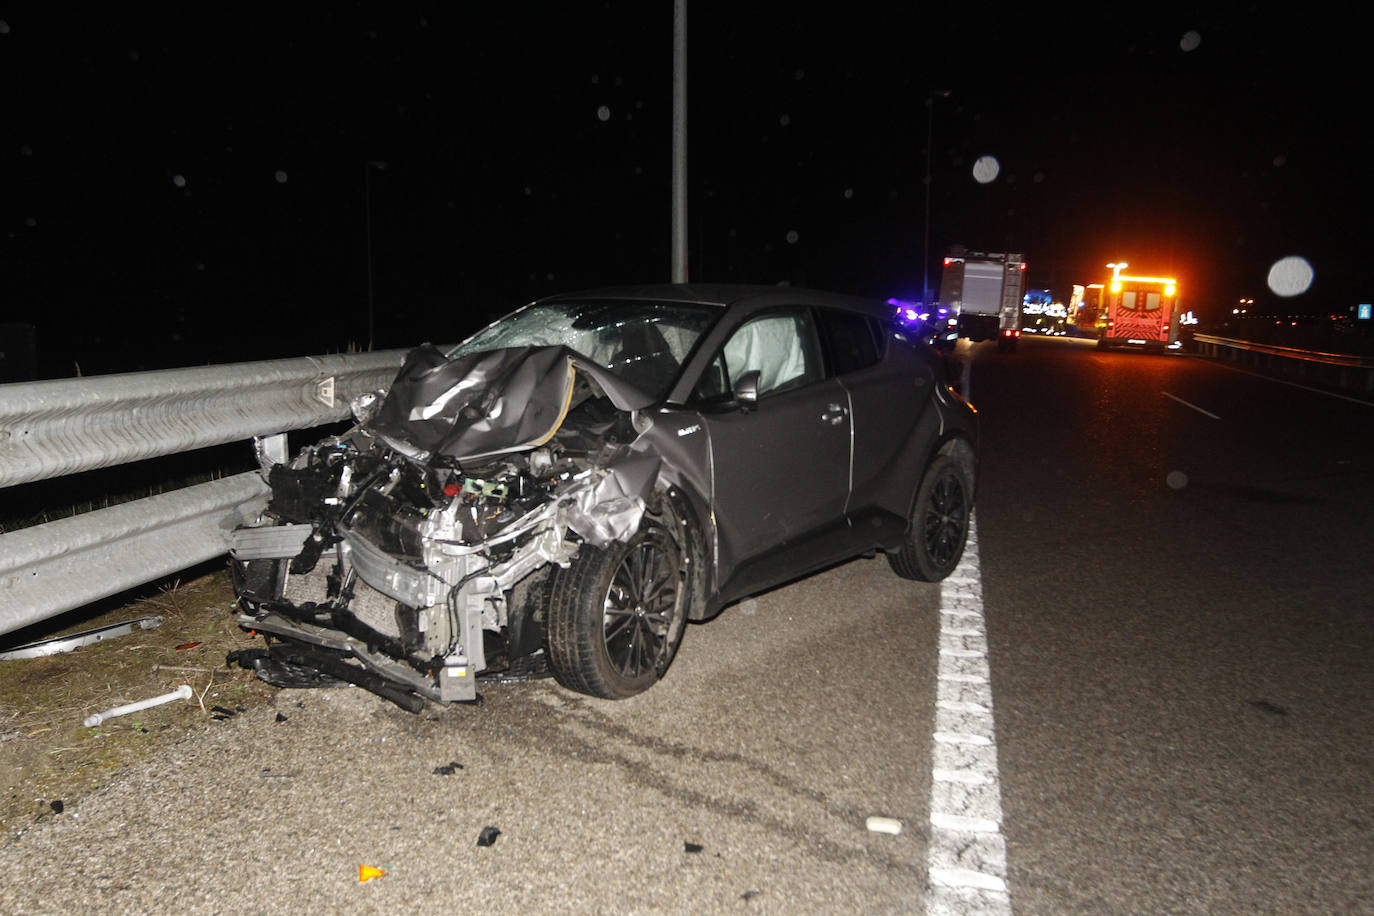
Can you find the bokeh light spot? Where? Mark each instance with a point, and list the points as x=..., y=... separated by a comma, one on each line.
x=985, y=169
x=1290, y=276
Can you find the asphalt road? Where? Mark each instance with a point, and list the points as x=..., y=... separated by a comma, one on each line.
x=1175, y=580
x=1176, y=568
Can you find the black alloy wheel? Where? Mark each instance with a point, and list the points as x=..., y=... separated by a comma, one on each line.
x=939, y=526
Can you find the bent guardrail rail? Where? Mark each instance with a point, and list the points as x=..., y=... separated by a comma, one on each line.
x=54, y=428
x=1352, y=373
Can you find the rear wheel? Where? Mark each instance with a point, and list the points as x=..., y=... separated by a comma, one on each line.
x=939, y=523
x=617, y=614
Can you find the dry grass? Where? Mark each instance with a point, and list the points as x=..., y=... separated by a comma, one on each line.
x=48, y=756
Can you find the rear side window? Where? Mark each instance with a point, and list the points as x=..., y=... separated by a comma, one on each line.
x=852, y=341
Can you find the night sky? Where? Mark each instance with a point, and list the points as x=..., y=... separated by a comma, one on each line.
x=195, y=185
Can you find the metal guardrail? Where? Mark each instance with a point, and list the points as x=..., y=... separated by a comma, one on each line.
x=1349, y=373
x=53, y=428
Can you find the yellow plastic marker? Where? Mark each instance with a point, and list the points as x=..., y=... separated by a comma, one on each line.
x=367, y=873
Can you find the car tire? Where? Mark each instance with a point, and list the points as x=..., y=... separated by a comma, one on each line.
x=939, y=525
x=617, y=614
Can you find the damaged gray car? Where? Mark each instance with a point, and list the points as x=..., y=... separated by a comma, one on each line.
x=562, y=492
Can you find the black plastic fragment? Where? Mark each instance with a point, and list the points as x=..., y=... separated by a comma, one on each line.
x=281, y=718
x=750, y=895
x=487, y=836
x=305, y=667
x=272, y=670
x=56, y=806
x=222, y=713
x=1272, y=708
x=448, y=769
x=692, y=847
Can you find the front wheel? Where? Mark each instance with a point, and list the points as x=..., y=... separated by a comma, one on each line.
x=617, y=614
x=939, y=523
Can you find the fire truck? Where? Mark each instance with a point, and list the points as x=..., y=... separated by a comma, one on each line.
x=1138, y=312
x=983, y=292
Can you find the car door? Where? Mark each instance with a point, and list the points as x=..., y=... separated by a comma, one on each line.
x=895, y=424
x=779, y=467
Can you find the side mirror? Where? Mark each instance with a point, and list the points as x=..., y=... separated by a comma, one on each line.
x=747, y=389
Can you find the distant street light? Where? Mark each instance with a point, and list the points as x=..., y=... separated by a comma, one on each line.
x=931, y=96
x=367, y=220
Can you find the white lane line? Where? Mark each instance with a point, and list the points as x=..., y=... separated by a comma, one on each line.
x=1205, y=413
x=966, y=862
x=1282, y=381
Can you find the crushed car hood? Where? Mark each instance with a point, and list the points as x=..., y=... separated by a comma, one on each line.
x=485, y=404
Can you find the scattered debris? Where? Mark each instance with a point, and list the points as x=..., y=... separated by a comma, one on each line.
x=181, y=693
x=56, y=806
x=220, y=713
x=1272, y=708
x=884, y=825
x=280, y=673
x=448, y=769
x=692, y=847
x=281, y=718
x=77, y=640
x=368, y=872
x=187, y=645
x=488, y=836
x=750, y=895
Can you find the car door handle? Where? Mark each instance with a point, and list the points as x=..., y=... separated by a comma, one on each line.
x=834, y=414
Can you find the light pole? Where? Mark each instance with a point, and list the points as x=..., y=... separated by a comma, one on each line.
x=367, y=222
x=930, y=130
x=679, y=231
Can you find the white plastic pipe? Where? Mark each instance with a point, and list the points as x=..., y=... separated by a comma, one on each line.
x=181, y=693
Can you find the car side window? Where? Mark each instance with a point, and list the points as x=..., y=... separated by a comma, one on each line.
x=852, y=340
x=780, y=345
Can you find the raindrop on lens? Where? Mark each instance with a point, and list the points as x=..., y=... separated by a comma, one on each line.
x=1190, y=41
x=1176, y=480
x=603, y=113
x=1290, y=276
x=985, y=169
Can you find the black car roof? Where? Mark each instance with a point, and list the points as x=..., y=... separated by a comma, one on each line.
x=721, y=295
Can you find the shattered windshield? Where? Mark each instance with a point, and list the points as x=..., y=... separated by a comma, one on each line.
x=644, y=343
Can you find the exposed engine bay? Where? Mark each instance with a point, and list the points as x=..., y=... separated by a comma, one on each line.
x=420, y=542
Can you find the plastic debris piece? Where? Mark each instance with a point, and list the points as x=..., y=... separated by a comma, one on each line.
x=181, y=693
x=1272, y=708
x=280, y=673
x=187, y=645
x=77, y=640
x=750, y=895
x=448, y=769
x=692, y=847
x=884, y=825
x=56, y=806
x=487, y=836
x=220, y=713
x=368, y=872
x=281, y=718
